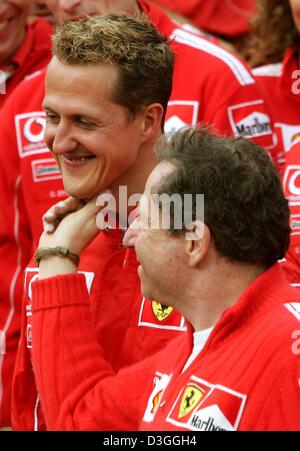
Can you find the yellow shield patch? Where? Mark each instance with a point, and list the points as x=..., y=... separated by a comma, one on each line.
x=190, y=398
x=160, y=311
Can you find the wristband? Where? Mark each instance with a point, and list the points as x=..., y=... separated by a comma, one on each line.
x=59, y=251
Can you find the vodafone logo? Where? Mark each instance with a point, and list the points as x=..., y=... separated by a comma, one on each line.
x=291, y=184
x=293, y=188
x=34, y=129
x=30, y=129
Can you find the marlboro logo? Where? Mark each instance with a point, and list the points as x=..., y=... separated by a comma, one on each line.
x=249, y=120
x=256, y=124
x=202, y=406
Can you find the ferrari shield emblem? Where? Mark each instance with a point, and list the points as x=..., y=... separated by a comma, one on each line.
x=161, y=311
x=190, y=399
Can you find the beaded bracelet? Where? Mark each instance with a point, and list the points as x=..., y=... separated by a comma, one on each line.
x=60, y=251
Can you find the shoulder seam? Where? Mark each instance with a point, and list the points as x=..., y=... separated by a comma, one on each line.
x=241, y=72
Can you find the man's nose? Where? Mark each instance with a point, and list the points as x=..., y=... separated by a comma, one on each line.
x=131, y=234
x=62, y=140
x=69, y=6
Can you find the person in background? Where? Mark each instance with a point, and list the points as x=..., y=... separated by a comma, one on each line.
x=228, y=20
x=105, y=107
x=291, y=185
x=39, y=9
x=275, y=51
x=236, y=368
x=24, y=48
x=32, y=182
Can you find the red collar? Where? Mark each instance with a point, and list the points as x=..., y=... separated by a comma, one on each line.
x=268, y=290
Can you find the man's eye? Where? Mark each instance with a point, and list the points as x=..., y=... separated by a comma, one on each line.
x=50, y=117
x=85, y=123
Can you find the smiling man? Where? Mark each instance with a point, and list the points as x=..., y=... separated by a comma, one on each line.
x=237, y=367
x=23, y=49
x=101, y=137
x=97, y=135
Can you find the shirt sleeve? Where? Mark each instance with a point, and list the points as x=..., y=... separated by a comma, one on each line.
x=77, y=387
x=15, y=251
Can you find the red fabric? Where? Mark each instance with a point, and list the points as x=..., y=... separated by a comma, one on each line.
x=231, y=102
x=246, y=377
x=22, y=204
x=128, y=325
x=281, y=86
x=33, y=55
x=228, y=18
x=291, y=185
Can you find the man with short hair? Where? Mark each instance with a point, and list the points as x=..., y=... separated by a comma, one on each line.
x=237, y=367
x=107, y=90
x=24, y=48
x=219, y=91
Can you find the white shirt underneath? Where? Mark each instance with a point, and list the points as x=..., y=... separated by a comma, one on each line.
x=200, y=338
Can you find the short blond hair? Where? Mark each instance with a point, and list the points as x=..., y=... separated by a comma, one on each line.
x=142, y=56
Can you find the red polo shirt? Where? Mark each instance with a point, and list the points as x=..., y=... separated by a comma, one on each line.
x=33, y=55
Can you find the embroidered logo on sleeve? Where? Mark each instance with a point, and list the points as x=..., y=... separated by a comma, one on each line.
x=30, y=129
x=202, y=406
x=160, y=383
x=154, y=314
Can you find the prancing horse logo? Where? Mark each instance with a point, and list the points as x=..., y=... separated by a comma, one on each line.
x=161, y=311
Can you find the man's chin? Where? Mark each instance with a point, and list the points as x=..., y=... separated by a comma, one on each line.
x=80, y=194
x=147, y=292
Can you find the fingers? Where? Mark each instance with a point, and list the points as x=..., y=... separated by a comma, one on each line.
x=48, y=228
x=54, y=215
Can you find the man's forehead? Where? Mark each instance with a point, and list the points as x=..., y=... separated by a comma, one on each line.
x=97, y=78
x=162, y=169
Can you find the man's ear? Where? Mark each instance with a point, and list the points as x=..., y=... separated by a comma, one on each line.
x=197, y=242
x=152, y=120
